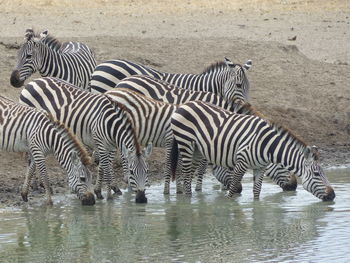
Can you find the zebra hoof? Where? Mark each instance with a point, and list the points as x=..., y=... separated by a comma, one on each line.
x=88, y=199
x=198, y=189
x=116, y=190
x=98, y=194
x=24, y=197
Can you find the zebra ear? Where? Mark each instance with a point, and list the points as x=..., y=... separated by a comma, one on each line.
x=229, y=63
x=248, y=64
x=44, y=34
x=148, y=150
x=307, y=152
x=29, y=34
x=315, y=153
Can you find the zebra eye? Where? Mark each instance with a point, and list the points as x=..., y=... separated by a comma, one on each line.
x=29, y=56
x=131, y=172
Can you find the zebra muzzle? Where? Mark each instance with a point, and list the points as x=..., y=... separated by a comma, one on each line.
x=330, y=195
x=88, y=199
x=141, y=197
x=15, y=79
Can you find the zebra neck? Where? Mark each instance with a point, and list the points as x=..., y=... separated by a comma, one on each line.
x=48, y=56
x=61, y=150
x=198, y=82
x=288, y=154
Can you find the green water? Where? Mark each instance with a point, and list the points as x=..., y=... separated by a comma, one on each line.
x=280, y=227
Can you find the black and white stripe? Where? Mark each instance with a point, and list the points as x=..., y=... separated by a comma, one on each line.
x=99, y=124
x=162, y=91
x=70, y=61
x=226, y=79
x=242, y=142
x=24, y=129
x=151, y=118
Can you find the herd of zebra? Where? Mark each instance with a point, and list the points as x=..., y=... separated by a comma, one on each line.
x=200, y=119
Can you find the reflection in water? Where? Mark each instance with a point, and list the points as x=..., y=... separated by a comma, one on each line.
x=205, y=228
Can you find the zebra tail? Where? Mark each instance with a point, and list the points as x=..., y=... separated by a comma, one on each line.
x=174, y=158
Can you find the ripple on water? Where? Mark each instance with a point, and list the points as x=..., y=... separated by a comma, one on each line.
x=281, y=226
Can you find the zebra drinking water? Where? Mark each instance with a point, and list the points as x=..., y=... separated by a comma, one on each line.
x=241, y=142
x=100, y=125
x=162, y=91
x=226, y=79
x=70, y=61
x=151, y=118
x=24, y=129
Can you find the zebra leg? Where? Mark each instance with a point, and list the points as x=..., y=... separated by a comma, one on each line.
x=167, y=171
x=44, y=178
x=29, y=175
x=200, y=172
x=238, y=172
x=258, y=178
x=105, y=172
x=179, y=178
x=126, y=175
x=187, y=175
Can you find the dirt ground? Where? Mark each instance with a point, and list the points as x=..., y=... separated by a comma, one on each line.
x=300, y=52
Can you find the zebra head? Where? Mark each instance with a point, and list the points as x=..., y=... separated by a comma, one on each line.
x=236, y=86
x=138, y=167
x=74, y=158
x=28, y=58
x=315, y=180
x=80, y=179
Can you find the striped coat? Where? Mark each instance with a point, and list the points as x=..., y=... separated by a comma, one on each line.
x=24, y=129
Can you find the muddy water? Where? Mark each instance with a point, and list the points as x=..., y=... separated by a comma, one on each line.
x=288, y=227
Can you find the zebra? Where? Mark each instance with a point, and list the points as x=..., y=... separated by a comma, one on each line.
x=24, y=129
x=223, y=78
x=241, y=142
x=99, y=124
x=275, y=172
x=162, y=91
x=70, y=61
x=151, y=118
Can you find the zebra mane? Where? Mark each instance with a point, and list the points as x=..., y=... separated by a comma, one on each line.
x=82, y=152
x=214, y=66
x=129, y=118
x=52, y=42
x=248, y=109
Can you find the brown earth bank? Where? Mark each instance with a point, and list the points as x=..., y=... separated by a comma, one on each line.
x=303, y=84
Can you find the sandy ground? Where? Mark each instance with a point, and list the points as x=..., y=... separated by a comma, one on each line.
x=300, y=52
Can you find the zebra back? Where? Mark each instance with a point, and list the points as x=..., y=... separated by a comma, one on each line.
x=70, y=61
x=109, y=73
x=223, y=78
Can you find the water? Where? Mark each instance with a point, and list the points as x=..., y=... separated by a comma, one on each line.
x=280, y=227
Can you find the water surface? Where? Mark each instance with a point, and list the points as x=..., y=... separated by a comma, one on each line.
x=280, y=227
